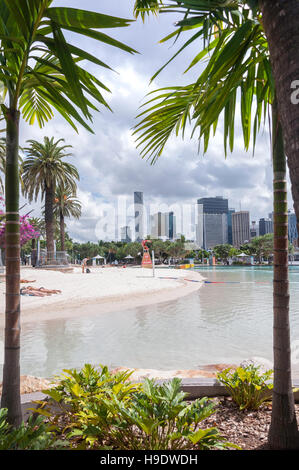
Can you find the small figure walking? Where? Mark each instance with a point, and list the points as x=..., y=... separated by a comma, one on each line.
x=84, y=264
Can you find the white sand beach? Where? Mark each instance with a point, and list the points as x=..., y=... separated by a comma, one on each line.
x=107, y=289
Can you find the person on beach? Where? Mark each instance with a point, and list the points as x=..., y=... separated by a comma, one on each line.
x=84, y=264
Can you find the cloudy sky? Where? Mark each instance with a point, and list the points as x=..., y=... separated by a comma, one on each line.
x=109, y=164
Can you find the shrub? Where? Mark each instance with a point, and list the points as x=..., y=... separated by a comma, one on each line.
x=34, y=435
x=102, y=410
x=159, y=418
x=82, y=397
x=248, y=387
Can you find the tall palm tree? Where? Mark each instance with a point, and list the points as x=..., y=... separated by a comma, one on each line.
x=239, y=62
x=65, y=205
x=43, y=171
x=40, y=72
x=2, y=163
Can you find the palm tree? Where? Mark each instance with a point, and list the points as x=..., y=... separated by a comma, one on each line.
x=65, y=205
x=43, y=171
x=239, y=62
x=2, y=163
x=39, y=225
x=40, y=72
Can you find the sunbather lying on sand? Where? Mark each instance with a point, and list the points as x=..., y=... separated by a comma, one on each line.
x=38, y=292
x=25, y=281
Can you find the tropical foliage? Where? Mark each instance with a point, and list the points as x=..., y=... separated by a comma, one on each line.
x=28, y=231
x=248, y=386
x=102, y=409
x=232, y=45
x=45, y=170
x=65, y=205
x=34, y=435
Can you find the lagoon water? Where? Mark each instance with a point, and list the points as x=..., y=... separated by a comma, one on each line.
x=227, y=320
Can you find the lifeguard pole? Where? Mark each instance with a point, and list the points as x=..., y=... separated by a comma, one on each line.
x=146, y=259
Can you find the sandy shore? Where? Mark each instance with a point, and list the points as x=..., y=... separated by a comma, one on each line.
x=103, y=289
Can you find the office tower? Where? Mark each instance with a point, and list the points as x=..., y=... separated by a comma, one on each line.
x=229, y=226
x=254, y=230
x=240, y=228
x=163, y=225
x=139, y=215
x=214, y=230
x=172, y=226
x=126, y=235
x=292, y=228
x=214, y=205
x=265, y=226
x=212, y=221
x=199, y=225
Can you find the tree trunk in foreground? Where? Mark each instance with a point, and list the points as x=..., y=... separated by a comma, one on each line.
x=283, y=433
x=11, y=398
x=280, y=21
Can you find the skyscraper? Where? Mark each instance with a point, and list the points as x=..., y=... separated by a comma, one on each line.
x=212, y=221
x=240, y=228
x=229, y=226
x=214, y=230
x=265, y=226
x=139, y=215
x=214, y=205
x=292, y=228
x=163, y=225
x=125, y=234
x=254, y=230
x=199, y=226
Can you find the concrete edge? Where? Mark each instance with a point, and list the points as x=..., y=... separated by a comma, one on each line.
x=196, y=388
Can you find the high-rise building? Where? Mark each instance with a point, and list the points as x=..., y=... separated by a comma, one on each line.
x=125, y=234
x=229, y=226
x=199, y=225
x=163, y=225
x=240, y=228
x=265, y=226
x=139, y=215
x=212, y=222
x=214, y=230
x=254, y=230
x=214, y=205
x=292, y=228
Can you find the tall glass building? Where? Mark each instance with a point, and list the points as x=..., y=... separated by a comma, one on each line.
x=139, y=215
x=214, y=205
x=292, y=228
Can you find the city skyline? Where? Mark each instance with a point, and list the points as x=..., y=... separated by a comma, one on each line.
x=207, y=221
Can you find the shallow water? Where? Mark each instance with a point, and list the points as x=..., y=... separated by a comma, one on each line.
x=225, y=321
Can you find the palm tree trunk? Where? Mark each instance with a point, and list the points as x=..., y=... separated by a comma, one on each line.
x=283, y=433
x=280, y=22
x=49, y=222
x=62, y=232
x=11, y=370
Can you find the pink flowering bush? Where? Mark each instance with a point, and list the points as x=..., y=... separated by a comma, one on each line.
x=27, y=231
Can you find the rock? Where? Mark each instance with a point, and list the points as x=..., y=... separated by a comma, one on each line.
x=209, y=371
x=30, y=384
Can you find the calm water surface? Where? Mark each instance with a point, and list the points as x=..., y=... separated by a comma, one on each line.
x=227, y=320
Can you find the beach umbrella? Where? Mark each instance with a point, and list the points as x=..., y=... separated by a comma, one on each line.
x=129, y=257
